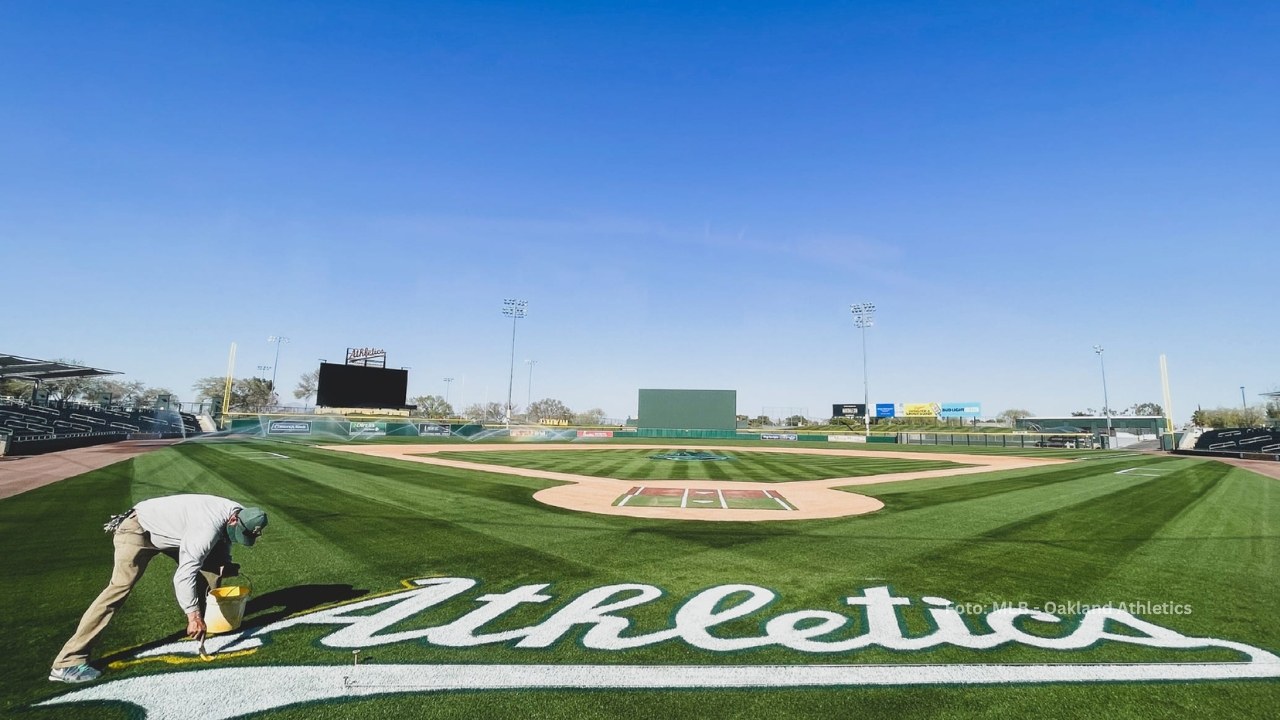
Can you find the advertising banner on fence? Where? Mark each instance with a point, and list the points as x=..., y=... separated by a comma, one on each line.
x=921, y=409
x=432, y=429
x=595, y=433
x=961, y=410
x=887, y=410
x=543, y=434
x=779, y=436
x=366, y=429
x=848, y=410
x=289, y=427
x=847, y=438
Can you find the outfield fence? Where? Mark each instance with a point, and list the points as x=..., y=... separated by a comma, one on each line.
x=677, y=433
x=1012, y=440
x=370, y=428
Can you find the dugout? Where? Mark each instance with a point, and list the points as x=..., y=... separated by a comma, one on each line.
x=687, y=413
x=1093, y=424
x=1125, y=430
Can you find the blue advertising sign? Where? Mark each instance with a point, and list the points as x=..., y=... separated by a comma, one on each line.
x=885, y=410
x=961, y=410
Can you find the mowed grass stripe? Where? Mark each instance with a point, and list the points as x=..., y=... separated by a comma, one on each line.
x=899, y=536
x=1227, y=540
x=1082, y=543
x=913, y=496
x=780, y=467
x=743, y=466
x=372, y=502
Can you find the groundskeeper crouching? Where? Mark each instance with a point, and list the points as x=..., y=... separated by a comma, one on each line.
x=196, y=531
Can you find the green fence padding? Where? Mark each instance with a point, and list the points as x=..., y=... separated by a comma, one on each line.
x=688, y=410
x=677, y=433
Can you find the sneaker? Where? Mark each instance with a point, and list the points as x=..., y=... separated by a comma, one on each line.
x=77, y=674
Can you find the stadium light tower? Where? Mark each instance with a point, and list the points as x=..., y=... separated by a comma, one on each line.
x=514, y=309
x=864, y=317
x=278, y=340
x=447, y=383
x=1106, y=404
x=529, y=399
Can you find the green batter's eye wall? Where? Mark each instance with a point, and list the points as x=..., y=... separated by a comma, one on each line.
x=688, y=410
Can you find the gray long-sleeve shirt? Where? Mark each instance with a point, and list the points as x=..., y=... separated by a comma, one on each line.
x=194, y=525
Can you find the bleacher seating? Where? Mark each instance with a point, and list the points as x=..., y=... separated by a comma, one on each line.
x=1237, y=440
x=19, y=419
x=16, y=421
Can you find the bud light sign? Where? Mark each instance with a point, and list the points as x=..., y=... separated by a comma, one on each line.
x=961, y=410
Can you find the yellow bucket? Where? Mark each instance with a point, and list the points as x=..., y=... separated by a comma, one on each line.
x=224, y=608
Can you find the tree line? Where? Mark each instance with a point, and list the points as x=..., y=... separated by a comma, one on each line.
x=1241, y=417
x=257, y=394
x=90, y=390
x=539, y=411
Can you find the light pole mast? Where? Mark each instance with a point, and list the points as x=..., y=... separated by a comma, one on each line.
x=529, y=399
x=514, y=309
x=863, y=318
x=1106, y=404
x=447, y=383
x=277, y=339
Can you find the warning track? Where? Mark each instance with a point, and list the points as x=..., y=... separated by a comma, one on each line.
x=811, y=499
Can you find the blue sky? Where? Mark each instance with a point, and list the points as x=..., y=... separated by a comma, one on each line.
x=688, y=195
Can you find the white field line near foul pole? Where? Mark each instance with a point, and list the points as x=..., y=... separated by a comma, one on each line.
x=202, y=694
x=1130, y=471
x=260, y=455
x=627, y=499
x=684, y=499
x=778, y=500
x=723, y=504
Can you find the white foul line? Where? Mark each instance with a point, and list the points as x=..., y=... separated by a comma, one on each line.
x=684, y=499
x=723, y=505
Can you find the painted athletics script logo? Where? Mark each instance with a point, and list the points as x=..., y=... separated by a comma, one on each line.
x=598, y=615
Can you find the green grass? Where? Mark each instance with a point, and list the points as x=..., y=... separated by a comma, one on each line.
x=743, y=466
x=345, y=526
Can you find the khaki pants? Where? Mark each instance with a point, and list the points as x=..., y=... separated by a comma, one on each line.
x=133, y=551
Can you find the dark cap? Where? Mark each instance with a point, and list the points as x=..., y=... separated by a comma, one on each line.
x=249, y=527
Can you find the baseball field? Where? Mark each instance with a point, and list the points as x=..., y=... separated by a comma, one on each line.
x=513, y=580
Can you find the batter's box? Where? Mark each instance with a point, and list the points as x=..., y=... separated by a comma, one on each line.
x=714, y=499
